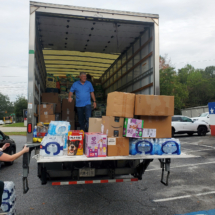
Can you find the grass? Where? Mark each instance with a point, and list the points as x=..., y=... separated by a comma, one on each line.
x=18, y=124
x=16, y=133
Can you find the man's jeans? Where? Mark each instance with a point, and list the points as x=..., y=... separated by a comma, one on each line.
x=84, y=113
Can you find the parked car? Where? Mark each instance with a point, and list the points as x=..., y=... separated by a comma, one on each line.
x=11, y=149
x=203, y=117
x=1, y=122
x=184, y=124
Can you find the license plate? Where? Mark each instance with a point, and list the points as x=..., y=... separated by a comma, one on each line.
x=87, y=172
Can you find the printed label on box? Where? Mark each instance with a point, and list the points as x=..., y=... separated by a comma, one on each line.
x=67, y=110
x=44, y=105
x=111, y=141
x=75, y=137
x=149, y=132
x=46, y=113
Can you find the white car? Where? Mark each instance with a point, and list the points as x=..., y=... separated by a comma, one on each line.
x=203, y=117
x=184, y=124
x=1, y=122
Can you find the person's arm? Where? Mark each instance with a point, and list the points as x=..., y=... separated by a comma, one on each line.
x=6, y=145
x=72, y=90
x=70, y=97
x=8, y=158
x=94, y=99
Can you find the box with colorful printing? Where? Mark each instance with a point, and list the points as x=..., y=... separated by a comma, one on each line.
x=75, y=142
x=133, y=128
x=95, y=144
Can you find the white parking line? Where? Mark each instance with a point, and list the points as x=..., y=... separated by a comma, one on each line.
x=188, y=151
x=196, y=144
x=187, y=165
x=182, y=197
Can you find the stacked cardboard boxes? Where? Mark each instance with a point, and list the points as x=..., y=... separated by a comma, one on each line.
x=68, y=112
x=119, y=106
x=157, y=112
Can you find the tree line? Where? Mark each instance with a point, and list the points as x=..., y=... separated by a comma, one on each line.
x=191, y=87
x=8, y=108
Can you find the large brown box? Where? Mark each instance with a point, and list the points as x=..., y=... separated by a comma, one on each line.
x=162, y=124
x=68, y=112
x=66, y=104
x=50, y=98
x=112, y=126
x=58, y=108
x=47, y=118
x=67, y=116
x=118, y=146
x=46, y=109
x=95, y=125
x=152, y=105
x=120, y=104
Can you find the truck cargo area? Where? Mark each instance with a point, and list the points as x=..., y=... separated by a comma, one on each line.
x=119, y=48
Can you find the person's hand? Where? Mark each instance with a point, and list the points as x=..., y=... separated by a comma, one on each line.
x=25, y=149
x=70, y=99
x=94, y=105
x=6, y=145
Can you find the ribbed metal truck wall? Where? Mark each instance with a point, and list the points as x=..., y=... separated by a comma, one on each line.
x=134, y=70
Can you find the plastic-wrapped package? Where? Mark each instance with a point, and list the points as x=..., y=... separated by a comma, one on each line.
x=141, y=146
x=9, y=190
x=52, y=146
x=59, y=128
x=9, y=198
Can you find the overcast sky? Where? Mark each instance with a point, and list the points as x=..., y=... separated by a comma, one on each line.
x=187, y=34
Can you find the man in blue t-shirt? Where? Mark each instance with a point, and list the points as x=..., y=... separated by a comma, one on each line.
x=83, y=90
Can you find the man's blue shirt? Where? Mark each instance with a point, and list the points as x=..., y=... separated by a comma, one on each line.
x=82, y=92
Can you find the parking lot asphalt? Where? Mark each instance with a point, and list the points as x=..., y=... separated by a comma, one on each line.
x=191, y=187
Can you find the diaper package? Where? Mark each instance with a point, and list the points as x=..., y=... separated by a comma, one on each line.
x=59, y=128
x=52, y=146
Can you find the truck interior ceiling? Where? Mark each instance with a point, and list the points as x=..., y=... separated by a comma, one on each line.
x=119, y=52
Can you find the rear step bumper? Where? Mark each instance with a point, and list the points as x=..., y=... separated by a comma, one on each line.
x=95, y=181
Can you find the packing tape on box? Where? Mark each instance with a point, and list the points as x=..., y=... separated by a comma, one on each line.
x=124, y=104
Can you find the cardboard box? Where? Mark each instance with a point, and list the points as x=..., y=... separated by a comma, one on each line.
x=50, y=98
x=118, y=146
x=120, y=104
x=58, y=108
x=160, y=126
x=152, y=105
x=67, y=115
x=75, y=142
x=112, y=126
x=133, y=128
x=95, y=125
x=47, y=118
x=95, y=144
x=68, y=105
x=46, y=109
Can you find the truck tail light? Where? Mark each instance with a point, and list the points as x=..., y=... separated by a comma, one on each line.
x=29, y=128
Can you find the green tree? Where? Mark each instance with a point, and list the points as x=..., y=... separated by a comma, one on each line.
x=20, y=104
x=6, y=107
x=201, y=89
x=184, y=72
x=170, y=85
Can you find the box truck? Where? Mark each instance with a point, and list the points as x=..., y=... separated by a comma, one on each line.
x=119, y=47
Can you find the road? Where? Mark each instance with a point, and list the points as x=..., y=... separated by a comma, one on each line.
x=191, y=188
x=13, y=129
